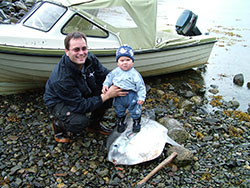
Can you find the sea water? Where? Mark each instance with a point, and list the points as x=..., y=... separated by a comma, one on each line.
x=228, y=20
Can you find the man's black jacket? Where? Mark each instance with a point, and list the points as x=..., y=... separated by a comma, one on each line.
x=78, y=89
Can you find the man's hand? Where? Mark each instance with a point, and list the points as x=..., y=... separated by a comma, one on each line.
x=105, y=89
x=112, y=92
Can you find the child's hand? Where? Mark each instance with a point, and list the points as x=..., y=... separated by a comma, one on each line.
x=140, y=102
x=105, y=89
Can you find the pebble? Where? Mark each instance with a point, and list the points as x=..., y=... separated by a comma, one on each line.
x=238, y=79
x=248, y=85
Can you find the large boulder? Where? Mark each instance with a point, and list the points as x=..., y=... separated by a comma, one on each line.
x=184, y=156
x=175, y=129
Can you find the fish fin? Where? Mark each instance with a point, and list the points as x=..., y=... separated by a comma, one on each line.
x=171, y=141
x=112, y=137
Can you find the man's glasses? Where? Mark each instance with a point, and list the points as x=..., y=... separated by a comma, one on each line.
x=78, y=49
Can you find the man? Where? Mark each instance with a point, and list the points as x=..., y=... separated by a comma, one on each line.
x=74, y=89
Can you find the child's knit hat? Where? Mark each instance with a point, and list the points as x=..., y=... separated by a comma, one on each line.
x=125, y=50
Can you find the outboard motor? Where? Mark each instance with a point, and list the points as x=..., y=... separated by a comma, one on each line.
x=186, y=24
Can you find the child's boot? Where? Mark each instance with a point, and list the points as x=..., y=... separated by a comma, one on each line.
x=121, y=125
x=137, y=125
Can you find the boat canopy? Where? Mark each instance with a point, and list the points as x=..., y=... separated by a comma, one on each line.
x=132, y=21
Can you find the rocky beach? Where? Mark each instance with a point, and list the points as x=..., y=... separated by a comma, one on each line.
x=218, y=140
x=216, y=134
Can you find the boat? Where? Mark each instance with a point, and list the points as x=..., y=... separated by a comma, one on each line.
x=31, y=48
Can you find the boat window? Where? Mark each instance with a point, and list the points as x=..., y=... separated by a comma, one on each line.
x=45, y=16
x=34, y=7
x=78, y=23
x=116, y=16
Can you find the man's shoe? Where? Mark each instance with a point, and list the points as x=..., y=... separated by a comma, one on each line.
x=59, y=134
x=99, y=128
x=61, y=137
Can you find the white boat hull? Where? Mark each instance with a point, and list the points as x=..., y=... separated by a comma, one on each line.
x=21, y=72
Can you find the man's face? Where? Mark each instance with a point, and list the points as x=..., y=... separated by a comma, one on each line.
x=78, y=51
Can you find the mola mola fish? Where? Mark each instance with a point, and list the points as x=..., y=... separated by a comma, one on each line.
x=130, y=148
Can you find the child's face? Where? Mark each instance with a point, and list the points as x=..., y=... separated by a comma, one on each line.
x=125, y=63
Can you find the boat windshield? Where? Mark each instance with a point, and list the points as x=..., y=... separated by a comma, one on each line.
x=45, y=16
x=79, y=23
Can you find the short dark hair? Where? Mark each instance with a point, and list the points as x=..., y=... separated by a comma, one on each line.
x=75, y=35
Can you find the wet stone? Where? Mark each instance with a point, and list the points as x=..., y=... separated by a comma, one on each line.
x=248, y=85
x=238, y=79
x=189, y=94
x=208, y=138
x=214, y=91
x=115, y=181
x=14, y=169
